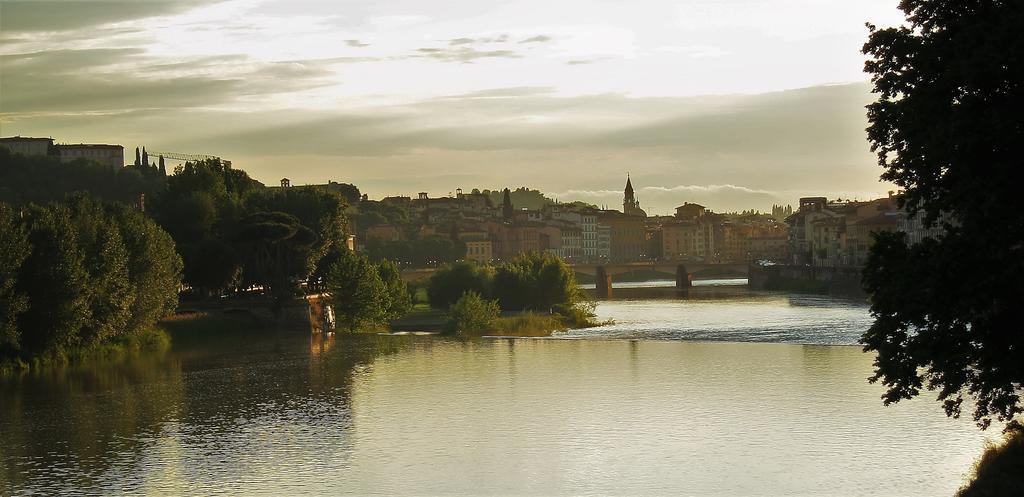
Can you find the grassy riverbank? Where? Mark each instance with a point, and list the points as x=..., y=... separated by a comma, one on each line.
x=211, y=322
x=522, y=324
x=152, y=340
x=526, y=324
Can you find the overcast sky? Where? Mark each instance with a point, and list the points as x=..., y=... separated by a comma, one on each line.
x=734, y=104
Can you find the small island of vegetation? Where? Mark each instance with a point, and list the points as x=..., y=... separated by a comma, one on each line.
x=532, y=295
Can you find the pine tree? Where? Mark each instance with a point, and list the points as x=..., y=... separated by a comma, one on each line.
x=138, y=157
x=163, y=167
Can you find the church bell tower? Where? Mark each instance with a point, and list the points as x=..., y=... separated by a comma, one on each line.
x=630, y=205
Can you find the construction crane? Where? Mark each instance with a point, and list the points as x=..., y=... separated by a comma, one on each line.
x=188, y=157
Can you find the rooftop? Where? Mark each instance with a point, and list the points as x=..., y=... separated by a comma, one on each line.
x=88, y=145
x=24, y=138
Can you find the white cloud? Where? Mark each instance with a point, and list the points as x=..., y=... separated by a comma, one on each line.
x=695, y=51
x=663, y=200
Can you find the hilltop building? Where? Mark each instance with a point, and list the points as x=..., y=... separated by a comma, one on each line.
x=107, y=155
x=111, y=156
x=28, y=146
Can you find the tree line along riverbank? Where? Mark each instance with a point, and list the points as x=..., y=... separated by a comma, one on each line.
x=83, y=268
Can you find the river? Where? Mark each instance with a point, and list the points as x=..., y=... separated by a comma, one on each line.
x=718, y=391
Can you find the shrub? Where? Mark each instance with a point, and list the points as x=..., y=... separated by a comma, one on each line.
x=472, y=314
x=578, y=315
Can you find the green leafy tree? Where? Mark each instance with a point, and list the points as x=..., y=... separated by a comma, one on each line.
x=14, y=249
x=450, y=282
x=214, y=180
x=56, y=281
x=522, y=197
x=106, y=261
x=948, y=128
x=398, y=301
x=275, y=250
x=334, y=252
x=319, y=210
x=154, y=267
x=356, y=292
x=190, y=218
x=428, y=251
x=373, y=213
x=212, y=266
x=472, y=314
x=347, y=190
x=535, y=281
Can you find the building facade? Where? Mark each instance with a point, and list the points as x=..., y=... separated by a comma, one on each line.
x=28, y=146
x=111, y=156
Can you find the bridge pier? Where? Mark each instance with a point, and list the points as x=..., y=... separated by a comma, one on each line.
x=603, y=285
x=683, y=277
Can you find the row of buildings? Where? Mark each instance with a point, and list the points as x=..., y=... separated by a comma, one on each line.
x=107, y=155
x=819, y=232
x=840, y=233
x=582, y=233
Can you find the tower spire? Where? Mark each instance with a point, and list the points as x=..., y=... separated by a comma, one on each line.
x=630, y=205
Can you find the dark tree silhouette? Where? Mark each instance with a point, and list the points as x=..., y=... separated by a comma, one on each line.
x=948, y=128
x=506, y=205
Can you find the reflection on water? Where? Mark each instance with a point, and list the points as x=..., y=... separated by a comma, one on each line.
x=283, y=414
x=217, y=407
x=720, y=312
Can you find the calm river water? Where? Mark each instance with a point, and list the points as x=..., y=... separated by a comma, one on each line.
x=681, y=396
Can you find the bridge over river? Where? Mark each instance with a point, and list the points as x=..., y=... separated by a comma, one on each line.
x=605, y=274
x=653, y=270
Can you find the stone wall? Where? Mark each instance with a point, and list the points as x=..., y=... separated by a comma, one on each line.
x=825, y=280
